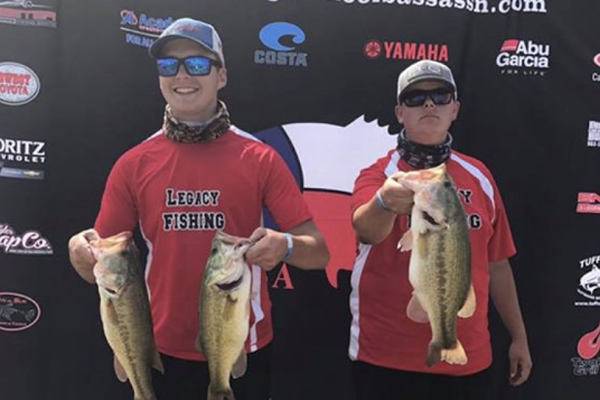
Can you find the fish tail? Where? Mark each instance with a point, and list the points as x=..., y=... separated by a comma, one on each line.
x=434, y=354
x=455, y=355
x=215, y=394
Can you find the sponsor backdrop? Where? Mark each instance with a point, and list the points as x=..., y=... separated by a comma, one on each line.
x=315, y=79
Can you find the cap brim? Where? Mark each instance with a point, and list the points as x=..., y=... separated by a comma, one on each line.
x=156, y=48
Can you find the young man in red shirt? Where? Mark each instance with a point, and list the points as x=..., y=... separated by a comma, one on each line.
x=197, y=175
x=388, y=348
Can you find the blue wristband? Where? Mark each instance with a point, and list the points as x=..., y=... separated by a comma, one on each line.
x=381, y=203
x=290, y=246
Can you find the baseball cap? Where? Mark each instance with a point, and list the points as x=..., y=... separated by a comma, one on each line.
x=197, y=31
x=425, y=70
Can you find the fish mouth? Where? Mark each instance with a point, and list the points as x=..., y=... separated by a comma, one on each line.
x=430, y=219
x=229, y=286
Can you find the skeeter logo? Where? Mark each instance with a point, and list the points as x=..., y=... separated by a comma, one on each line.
x=279, y=37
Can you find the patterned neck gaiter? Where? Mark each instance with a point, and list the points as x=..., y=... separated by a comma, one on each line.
x=422, y=156
x=182, y=133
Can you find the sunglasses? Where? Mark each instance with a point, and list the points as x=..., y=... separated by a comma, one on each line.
x=417, y=98
x=194, y=65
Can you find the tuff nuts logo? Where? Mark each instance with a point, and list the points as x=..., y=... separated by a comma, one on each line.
x=589, y=282
x=523, y=57
x=393, y=50
x=18, y=84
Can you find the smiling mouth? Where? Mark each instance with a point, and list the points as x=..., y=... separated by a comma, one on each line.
x=185, y=90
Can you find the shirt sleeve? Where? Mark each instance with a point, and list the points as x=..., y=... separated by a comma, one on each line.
x=500, y=245
x=118, y=211
x=366, y=185
x=281, y=195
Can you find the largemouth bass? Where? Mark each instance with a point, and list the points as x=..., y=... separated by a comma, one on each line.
x=440, y=262
x=125, y=312
x=224, y=312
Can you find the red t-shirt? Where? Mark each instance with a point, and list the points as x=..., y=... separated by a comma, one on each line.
x=180, y=194
x=381, y=333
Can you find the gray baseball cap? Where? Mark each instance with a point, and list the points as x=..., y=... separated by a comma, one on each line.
x=425, y=70
x=197, y=31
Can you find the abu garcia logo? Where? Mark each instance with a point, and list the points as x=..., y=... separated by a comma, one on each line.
x=279, y=53
x=527, y=56
x=144, y=30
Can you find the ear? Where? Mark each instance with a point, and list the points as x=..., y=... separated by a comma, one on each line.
x=398, y=112
x=222, y=78
x=455, y=110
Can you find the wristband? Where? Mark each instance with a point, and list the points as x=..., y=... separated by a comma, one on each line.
x=290, y=246
x=381, y=203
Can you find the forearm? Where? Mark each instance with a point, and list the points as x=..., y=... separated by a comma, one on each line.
x=503, y=292
x=309, y=252
x=372, y=223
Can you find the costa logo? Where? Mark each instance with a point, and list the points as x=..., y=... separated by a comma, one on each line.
x=18, y=84
x=597, y=59
x=18, y=312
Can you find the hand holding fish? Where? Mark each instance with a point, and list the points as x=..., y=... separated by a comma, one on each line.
x=268, y=250
x=395, y=196
x=80, y=254
x=520, y=362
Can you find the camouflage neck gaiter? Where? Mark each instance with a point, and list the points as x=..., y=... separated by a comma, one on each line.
x=422, y=156
x=182, y=133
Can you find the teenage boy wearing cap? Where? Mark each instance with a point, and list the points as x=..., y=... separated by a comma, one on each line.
x=196, y=175
x=388, y=348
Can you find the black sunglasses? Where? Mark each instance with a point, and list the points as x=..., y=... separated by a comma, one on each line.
x=416, y=98
x=194, y=65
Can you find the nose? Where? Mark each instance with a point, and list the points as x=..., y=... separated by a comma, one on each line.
x=428, y=102
x=181, y=71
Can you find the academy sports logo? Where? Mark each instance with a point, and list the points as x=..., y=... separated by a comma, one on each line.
x=28, y=243
x=281, y=40
x=593, y=134
x=588, y=348
x=18, y=312
x=392, y=50
x=327, y=178
x=19, y=85
x=523, y=57
x=26, y=13
x=21, y=158
x=588, y=203
x=142, y=30
x=589, y=282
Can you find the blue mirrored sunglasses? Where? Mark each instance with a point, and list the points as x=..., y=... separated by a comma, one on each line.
x=194, y=65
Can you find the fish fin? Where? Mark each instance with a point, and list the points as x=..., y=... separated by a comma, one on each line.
x=468, y=309
x=406, y=243
x=119, y=370
x=157, y=362
x=239, y=368
x=455, y=355
x=415, y=311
